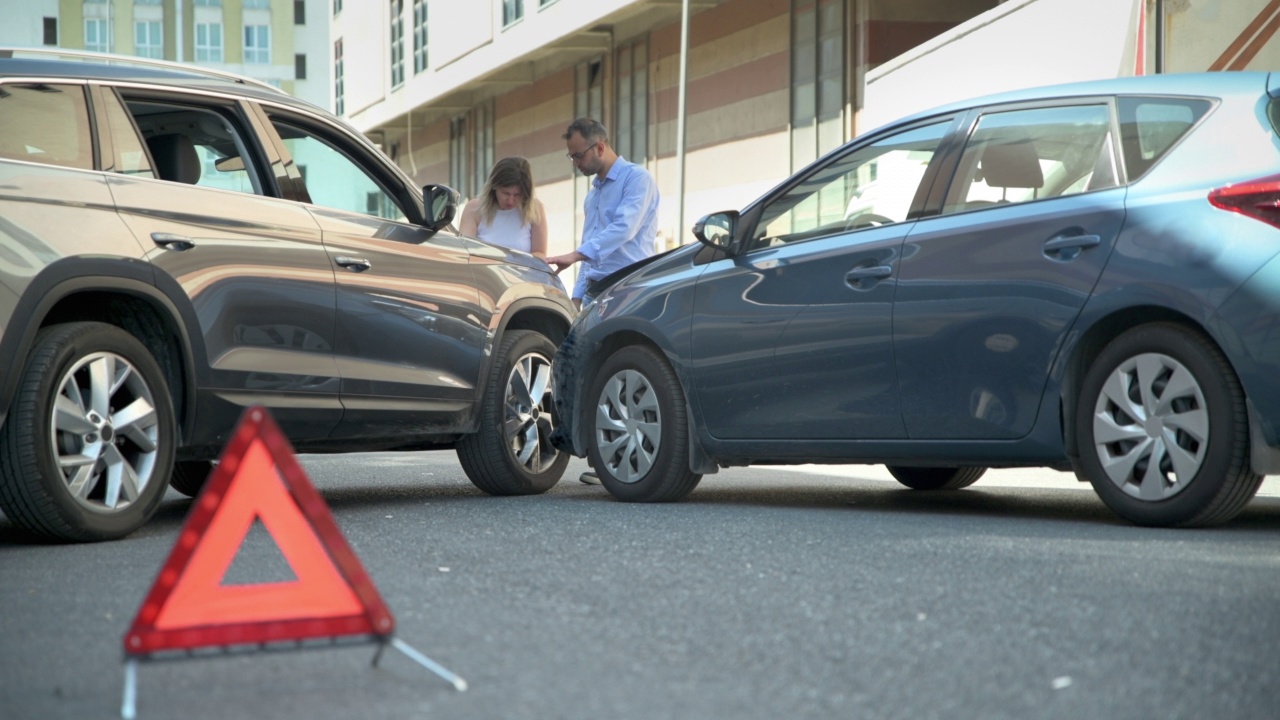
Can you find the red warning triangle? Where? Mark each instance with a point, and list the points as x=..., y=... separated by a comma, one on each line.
x=257, y=478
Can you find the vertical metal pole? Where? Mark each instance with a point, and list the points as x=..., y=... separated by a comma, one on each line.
x=683, y=88
x=1159, y=61
x=177, y=29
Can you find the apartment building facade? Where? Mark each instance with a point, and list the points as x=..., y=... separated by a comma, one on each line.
x=767, y=86
x=282, y=42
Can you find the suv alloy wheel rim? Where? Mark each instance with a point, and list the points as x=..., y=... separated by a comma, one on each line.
x=628, y=426
x=1151, y=427
x=527, y=417
x=104, y=432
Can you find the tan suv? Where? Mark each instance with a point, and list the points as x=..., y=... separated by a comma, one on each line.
x=177, y=245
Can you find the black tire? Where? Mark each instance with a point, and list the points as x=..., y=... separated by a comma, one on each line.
x=1199, y=410
x=88, y=392
x=636, y=390
x=936, y=478
x=511, y=452
x=189, y=476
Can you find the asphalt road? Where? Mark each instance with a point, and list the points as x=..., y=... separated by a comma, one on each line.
x=769, y=593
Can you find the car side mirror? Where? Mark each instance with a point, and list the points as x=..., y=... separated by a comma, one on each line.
x=717, y=229
x=441, y=203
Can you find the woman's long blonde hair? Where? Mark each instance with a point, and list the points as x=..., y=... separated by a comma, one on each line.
x=510, y=172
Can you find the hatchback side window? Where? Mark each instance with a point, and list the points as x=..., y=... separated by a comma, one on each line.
x=1023, y=155
x=45, y=123
x=334, y=180
x=1149, y=127
x=875, y=184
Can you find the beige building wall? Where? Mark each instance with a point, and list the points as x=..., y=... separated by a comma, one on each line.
x=738, y=135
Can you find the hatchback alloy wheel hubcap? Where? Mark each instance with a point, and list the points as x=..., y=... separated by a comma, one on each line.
x=104, y=432
x=628, y=426
x=1151, y=427
x=527, y=419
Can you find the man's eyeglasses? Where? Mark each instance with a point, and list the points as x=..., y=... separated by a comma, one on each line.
x=575, y=157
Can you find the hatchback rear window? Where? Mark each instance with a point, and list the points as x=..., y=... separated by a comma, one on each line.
x=45, y=123
x=1150, y=126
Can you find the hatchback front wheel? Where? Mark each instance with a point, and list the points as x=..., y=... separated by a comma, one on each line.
x=639, y=443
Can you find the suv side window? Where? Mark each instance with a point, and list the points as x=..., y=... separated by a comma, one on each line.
x=331, y=178
x=1023, y=155
x=46, y=123
x=873, y=185
x=196, y=145
x=130, y=155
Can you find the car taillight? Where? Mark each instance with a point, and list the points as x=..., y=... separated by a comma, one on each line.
x=1258, y=199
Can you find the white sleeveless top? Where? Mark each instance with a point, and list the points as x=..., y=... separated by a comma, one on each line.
x=506, y=230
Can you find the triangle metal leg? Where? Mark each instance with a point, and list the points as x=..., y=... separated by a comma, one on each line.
x=129, y=706
x=428, y=663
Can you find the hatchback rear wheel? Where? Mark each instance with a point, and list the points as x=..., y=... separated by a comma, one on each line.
x=1162, y=429
x=86, y=450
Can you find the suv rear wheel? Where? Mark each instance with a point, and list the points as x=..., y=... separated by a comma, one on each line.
x=86, y=450
x=511, y=452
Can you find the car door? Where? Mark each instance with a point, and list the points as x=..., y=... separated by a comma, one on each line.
x=411, y=329
x=989, y=288
x=253, y=268
x=792, y=339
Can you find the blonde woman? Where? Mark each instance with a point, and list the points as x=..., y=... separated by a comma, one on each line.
x=507, y=213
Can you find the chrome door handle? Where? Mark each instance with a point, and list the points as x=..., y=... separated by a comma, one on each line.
x=169, y=241
x=353, y=264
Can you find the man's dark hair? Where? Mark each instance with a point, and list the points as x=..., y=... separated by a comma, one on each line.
x=590, y=130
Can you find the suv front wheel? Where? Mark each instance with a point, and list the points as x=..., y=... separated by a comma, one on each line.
x=86, y=449
x=511, y=452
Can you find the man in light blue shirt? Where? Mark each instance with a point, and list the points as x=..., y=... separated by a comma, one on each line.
x=621, y=209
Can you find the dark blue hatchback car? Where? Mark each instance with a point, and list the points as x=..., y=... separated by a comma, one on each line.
x=1082, y=277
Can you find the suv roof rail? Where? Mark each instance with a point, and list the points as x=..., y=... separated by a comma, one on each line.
x=133, y=61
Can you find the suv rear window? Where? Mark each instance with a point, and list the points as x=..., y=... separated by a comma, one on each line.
x=1149, y=126
x=45, y=123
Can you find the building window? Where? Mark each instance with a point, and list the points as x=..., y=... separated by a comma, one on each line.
x=817, y=79
x=419, y=36
x=97, y=37
x=210, y=3
x=258, y=4
x=148, y=39
x=458, y=153
x=397, y=43
x=208, y=42
x=338, y=106
x=300, y=66
x=147, y=2
x=299, y=12
x=257, y=44
x=631, y=120
x=544, y=3
x=51, y=31
x=512, y=10
x=337, y=6
x=482, y=147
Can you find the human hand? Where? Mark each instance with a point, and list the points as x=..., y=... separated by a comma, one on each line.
x=560, y=262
